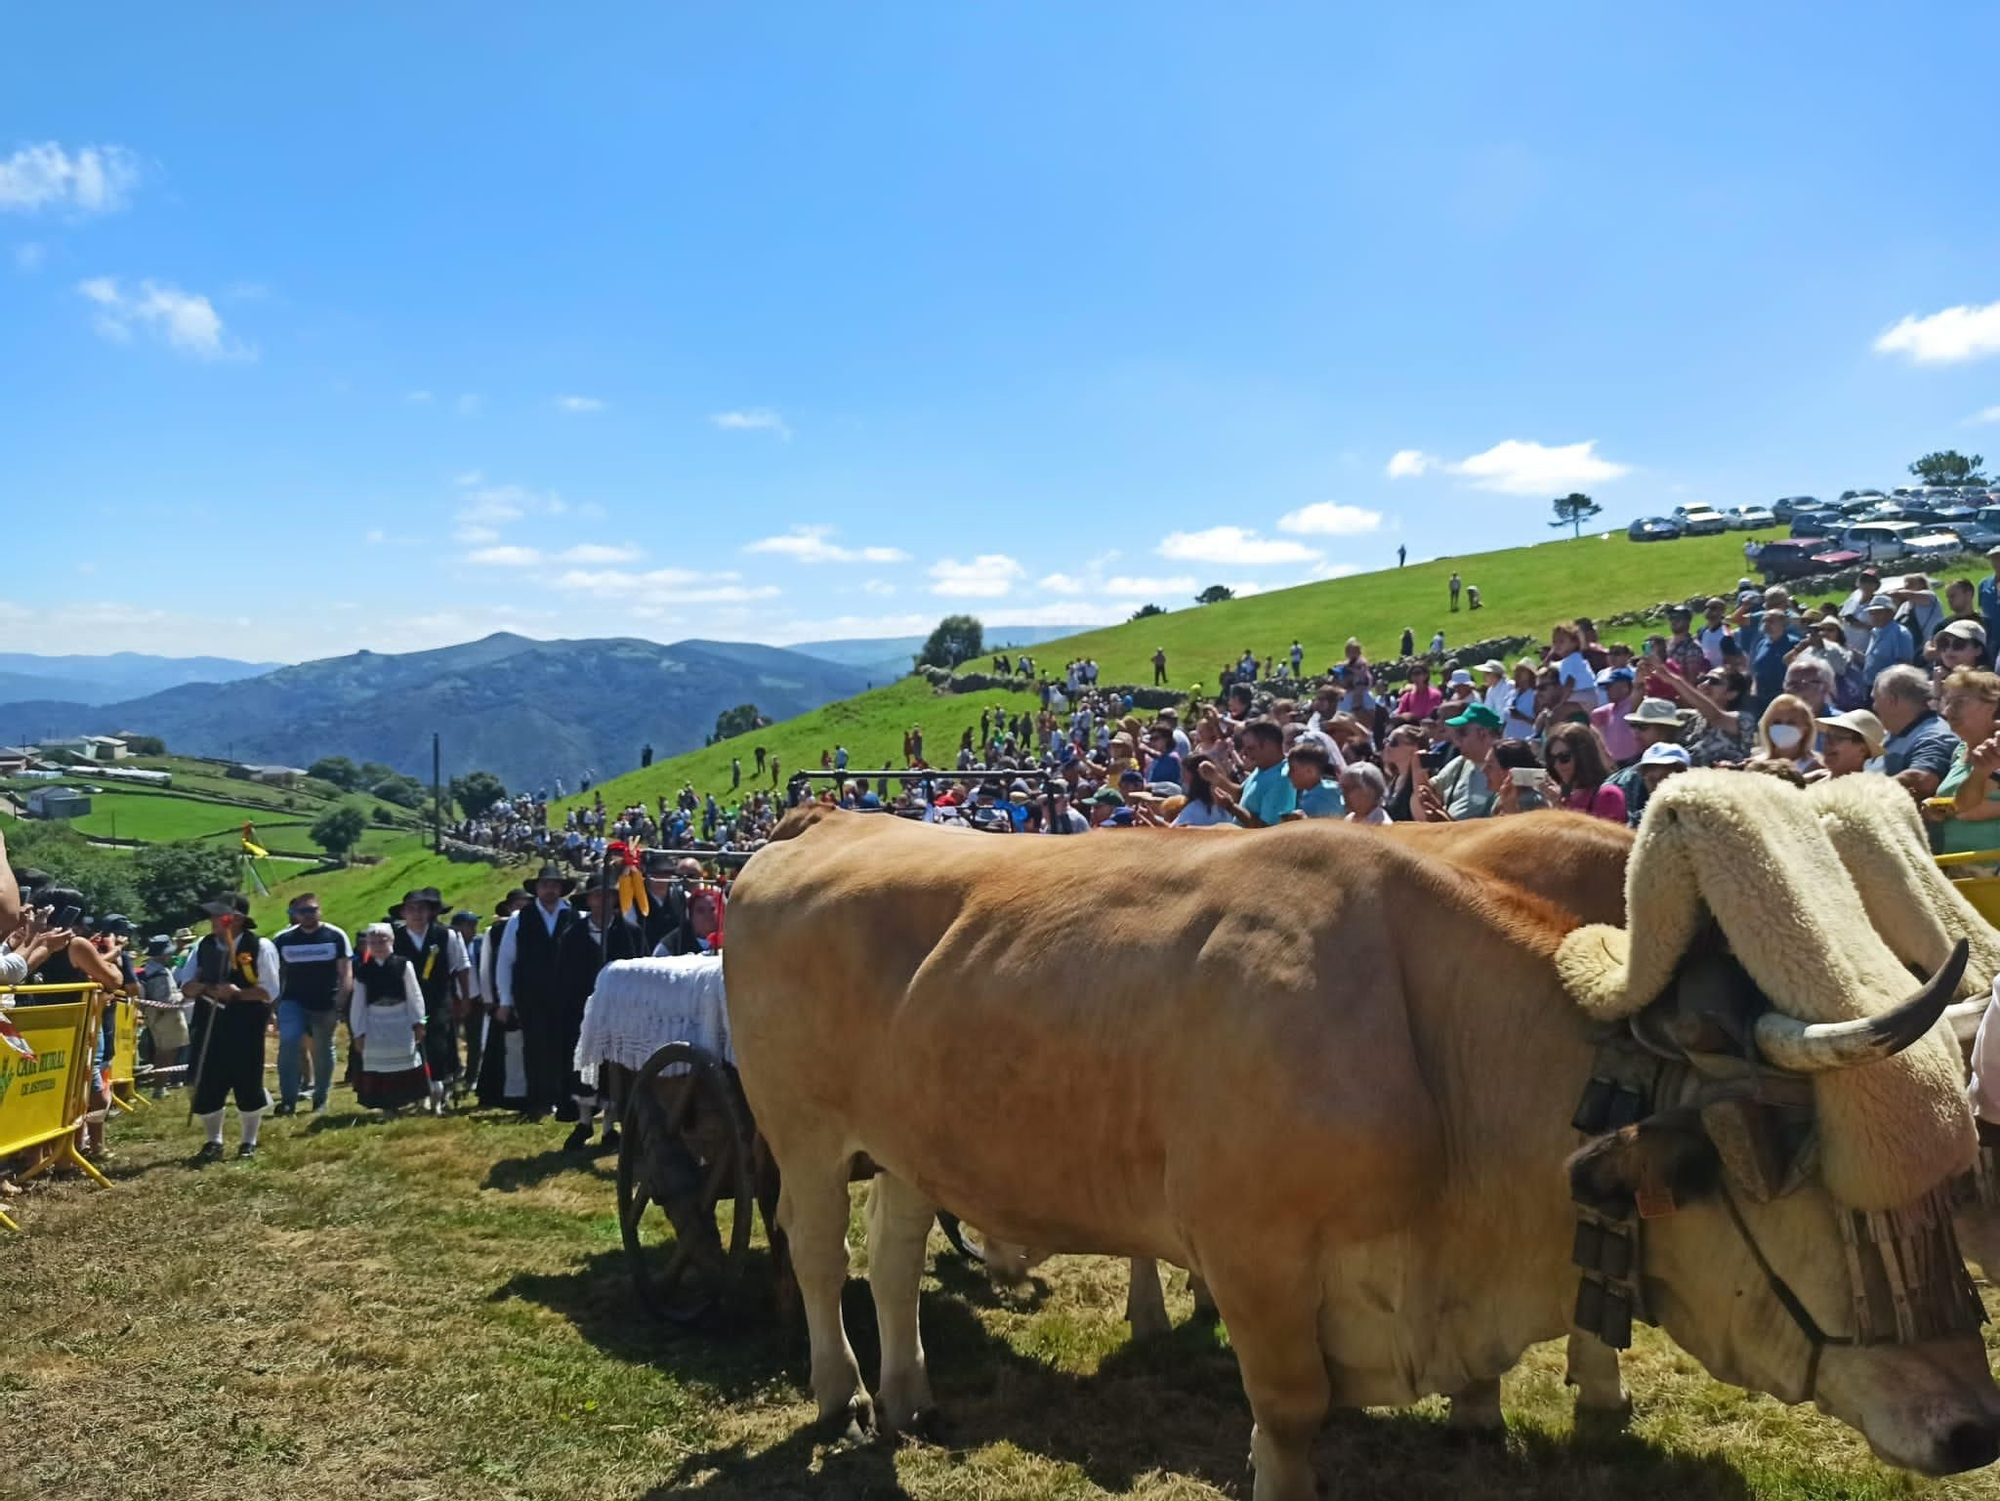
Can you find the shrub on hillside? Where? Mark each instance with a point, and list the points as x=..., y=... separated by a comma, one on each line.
x=340, y=829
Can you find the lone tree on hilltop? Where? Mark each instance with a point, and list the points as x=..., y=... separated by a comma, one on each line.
x=1949, y=468
x=340, y=829
x=1215, y=594
x=1573, y=510
x=958, y=638
x=1146, y=612
x=476, y=792
x=740, y=720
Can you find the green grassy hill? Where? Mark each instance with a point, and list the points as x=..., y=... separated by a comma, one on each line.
x=1524, y=590
x=362, y=894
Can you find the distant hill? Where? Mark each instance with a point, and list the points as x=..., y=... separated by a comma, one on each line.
x=109, y=678
x=531, y=711
x=886, y=658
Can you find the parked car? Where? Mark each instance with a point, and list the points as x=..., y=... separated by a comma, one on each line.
x=1653, y=529
x=1751, y=518
x=1796, y=557
x=1880, y=541
x=1935, y=539
x=1701, y=521
x=1791, y=505
x=1819, y=524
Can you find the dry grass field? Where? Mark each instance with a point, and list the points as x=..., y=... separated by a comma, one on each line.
x=431, y=1309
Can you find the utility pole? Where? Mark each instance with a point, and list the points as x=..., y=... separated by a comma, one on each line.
x=437, y=807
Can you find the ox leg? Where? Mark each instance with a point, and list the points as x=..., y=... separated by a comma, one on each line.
x=1592, y=1368
x=813, y=1210
x=1275, y=1333
x=1204, y=1300
x=1145, y=1304
x=899, y=1226
x=1477, y=1408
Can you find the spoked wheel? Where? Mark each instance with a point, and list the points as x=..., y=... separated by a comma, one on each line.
x=684, y=1151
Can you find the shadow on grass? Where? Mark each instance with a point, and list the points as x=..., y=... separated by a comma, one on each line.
x=511, y=1174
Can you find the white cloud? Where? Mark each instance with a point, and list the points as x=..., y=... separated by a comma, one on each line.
x=988, y=576
x=1515, y=467
x=1233, y=544
x=485, y=507
x=29, y=255
x=185, y=320
x=1948, y=338
x=1986, y=414
x=91, y=180
x=473, y=532
x=666, y=586
x=418, y=398
x=505, y=557
x=1327, y=518
x=579, y=404
x=470, y=404
x=1063, y=583
x=880, y=588
x=809, y=544
x=469, y=478
x=753, y=420
x=1121, y=587
x=598, y=552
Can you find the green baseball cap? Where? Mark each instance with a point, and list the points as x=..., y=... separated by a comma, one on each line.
x=1477, y=714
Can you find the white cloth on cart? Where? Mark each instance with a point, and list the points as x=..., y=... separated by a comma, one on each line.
x=641, y=1005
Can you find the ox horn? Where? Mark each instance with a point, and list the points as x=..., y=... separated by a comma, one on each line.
x=1819, y=1047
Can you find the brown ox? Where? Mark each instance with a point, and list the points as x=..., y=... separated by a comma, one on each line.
x=1253, y=1057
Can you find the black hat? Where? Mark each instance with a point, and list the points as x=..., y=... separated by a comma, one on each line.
x=551, y=871
x=159, y=946
x=230, y=902
x=459, y=917
x=118, y=925
x=425, y=894
x=28, y=878
x=600, y=880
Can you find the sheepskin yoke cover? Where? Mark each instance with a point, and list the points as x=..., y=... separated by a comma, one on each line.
x=1879, y=836
x=1753, y=852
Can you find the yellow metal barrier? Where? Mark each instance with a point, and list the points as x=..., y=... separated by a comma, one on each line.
x=43, y=1099
x=1981, y=889
x=123, y=1078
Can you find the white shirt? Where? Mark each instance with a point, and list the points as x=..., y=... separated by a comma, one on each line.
x=455, y=957
x=1984, y=1090
x=410, y=1014
x=1577, y=676
x=1499, y=698
x=1380, y=815
x=510, y=939
x=267, y=966
x=13, y=968
x=1198, y=815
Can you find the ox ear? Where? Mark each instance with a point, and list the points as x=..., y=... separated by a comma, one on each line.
x=1658, y=1164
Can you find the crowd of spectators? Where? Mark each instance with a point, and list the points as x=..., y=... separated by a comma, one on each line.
x=1894, y=680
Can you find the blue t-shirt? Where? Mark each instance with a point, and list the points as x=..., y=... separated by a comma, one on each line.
x=1166, y=769
x=1323, y=801
x=1269, y=794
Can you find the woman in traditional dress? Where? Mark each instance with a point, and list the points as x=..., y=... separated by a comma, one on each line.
x=387, y=1024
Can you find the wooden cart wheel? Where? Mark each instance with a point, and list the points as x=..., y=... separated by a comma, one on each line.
x=684, y=1149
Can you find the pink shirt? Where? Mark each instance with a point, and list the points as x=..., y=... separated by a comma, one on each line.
x=1419, y=703
x=1609, y=722
x=1607, y=802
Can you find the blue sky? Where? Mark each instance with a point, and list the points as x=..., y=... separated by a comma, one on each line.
x=398, y=325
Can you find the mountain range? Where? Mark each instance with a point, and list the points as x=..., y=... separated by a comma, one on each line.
x=529, y=711
x=885, y=658
x=119, y=675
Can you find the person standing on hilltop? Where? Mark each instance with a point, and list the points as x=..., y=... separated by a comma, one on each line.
x=1455, y=585
x=1159, y=666
x=736, y=772
x=526, y=979
x=1402, y=554
x=1409, y=642
x=236, y=972
x=314, y=977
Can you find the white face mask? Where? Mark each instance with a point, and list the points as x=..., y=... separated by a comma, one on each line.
x=1786, y=736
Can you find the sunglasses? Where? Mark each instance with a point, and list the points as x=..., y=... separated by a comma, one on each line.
x=1560, y=758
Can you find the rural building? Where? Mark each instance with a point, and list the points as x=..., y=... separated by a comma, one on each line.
x=90, y=747
x=275, y=776
x=15, y=759
x=57, y=802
